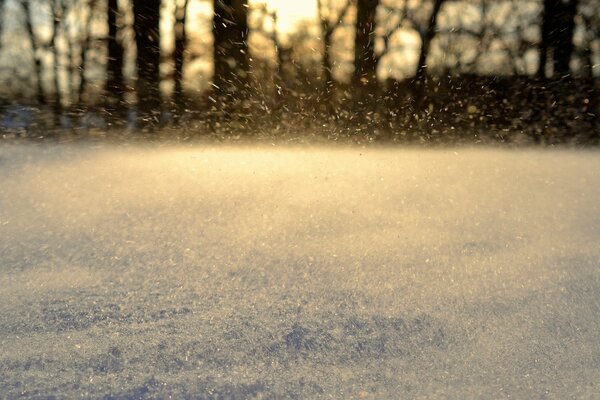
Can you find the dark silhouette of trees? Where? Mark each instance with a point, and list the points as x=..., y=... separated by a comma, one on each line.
x=365, y=58
x=114, y=85
x=231, y=58
x=446, y=63
x=556, y=45
x=146, y=26
x=430, y=32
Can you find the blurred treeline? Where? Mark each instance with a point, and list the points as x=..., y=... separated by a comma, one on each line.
x=509, y=70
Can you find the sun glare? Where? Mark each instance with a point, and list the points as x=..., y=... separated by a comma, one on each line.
x=290, y=12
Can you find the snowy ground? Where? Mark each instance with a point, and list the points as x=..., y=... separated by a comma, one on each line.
x=240, y=272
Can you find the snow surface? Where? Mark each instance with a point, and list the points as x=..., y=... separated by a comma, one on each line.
x=245, y=272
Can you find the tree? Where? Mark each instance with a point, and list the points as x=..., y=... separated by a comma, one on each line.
x=146, y=26
x=558, y=28
x=181, y=10
x=86, y=39
x=430, y=32
x=1, y=20
x=231, y=61
x=590, y=17
x=114, y=86
x=365, y=58
x=330, y=19
x=33, y=43
x=504, y=30
x=58, y=11
x=424, y=22
x=263, y=21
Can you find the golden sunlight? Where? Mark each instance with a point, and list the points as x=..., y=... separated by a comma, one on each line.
x=290, y=12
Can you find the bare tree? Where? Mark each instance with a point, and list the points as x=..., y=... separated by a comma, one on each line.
x=502, y=29
x=284, y=54
x=365, y=58
x=558, y=27
x=546, y=40
x=264, y=22
x=258, y=23
x=86, y=38
x=35, y=50
x=147, y=38
x=70, y=29
x=590, y=18
x=181, y=39
x=1, y=21
x=57, y=12
x=231, y=58
x=424, y=23
x=114, y=86
x=330, y=17
x=430, y=32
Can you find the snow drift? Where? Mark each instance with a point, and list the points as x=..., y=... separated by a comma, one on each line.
x=240, y=272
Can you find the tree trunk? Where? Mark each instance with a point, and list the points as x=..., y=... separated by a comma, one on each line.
x=179, y=54
x=365, y=59
x=421, y=75
x=546, y=36
x=563, y=52
x=147, y=39
x=558, y=27
x=281, y=79
x=57, y=12
x=328, y=27
x=37, y=61
x=283, y=55
x=328, y=84
x=1, y=21
x=71, y=70
x=231, y=63
x=85, y=46
x=588, y=52
x=114, y=86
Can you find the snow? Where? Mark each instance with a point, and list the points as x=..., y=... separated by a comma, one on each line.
x=209, y=271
